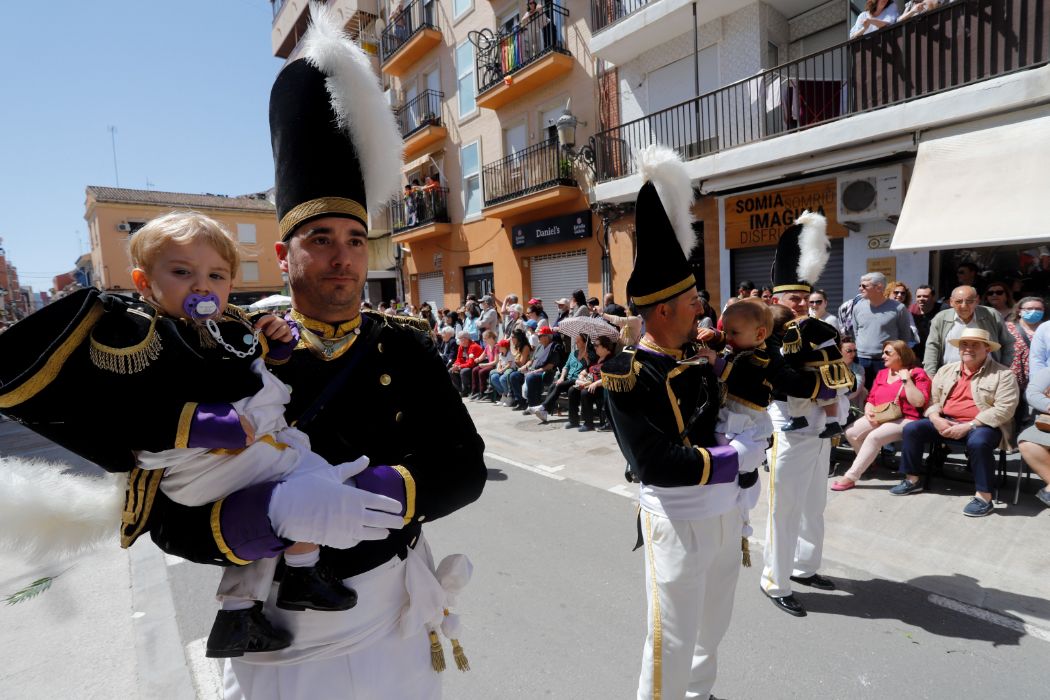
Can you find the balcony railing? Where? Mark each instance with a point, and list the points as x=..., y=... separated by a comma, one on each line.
x=421, y=208
x=415, y=17
x=531, y=170
x=421, y=111
x=607, y=12
x=503, y=54
x=956, y=45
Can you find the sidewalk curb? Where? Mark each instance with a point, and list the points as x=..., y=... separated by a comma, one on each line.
x=163, y=670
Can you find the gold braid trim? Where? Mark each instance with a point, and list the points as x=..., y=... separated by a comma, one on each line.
x=410, y=492
x=705, y=457
x=40, y=381
x=412, y=322
x=332, y=206
x=131, y=359
x=216, y=532
x=665, y=293
x=138, y=502
x=836, y=375
x=182, y=433
x=622, y=383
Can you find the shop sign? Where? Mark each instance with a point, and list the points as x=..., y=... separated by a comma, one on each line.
x=887, y=266
x=757, y=219
x=556, y=229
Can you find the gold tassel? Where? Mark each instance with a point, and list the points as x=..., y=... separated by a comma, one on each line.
x=437, y=654
x=461, y=659
x=126, y=360
x=745, y=550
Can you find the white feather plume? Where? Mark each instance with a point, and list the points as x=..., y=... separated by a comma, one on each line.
x=814, y=246
x=48, y=513
x=359, y=105
x=664, y=167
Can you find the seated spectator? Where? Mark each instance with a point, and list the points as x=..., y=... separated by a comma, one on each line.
x=531, y=327
x=899, y=384
x=877, y=14
x=859, y=395
x=513, y=320
x=818, y=309
x=949, y=324
x=499, y=378
x=479, y=375
x=922, y=312
x=586, y=396
x=1033, y=442
x=535, y=311
x=1030, y=312
x=581, y=357
x=973, y=402
x=545, y=363
x=447, y=346
x=997, y=296
x=467, y=355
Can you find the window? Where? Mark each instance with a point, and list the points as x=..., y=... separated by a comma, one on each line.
x=246, y=233
x=249, y=271
x=465, y=78
x=460, y=6
x=469, y=160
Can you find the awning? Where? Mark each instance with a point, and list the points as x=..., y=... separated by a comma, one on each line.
x=986, y=187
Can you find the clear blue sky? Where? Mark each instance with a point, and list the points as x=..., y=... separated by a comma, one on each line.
x=185, y=83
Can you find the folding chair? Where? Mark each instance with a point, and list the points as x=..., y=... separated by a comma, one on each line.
x=942, y=449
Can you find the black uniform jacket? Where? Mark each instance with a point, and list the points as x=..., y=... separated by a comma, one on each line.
x=398, y=408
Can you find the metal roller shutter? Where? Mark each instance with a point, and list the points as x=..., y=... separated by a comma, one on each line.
x=558, y=275
x=755, y=264
x=432, y=289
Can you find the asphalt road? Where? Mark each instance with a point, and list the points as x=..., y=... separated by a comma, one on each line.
x=556, y=610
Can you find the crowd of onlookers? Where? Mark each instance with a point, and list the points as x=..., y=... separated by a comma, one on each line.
x=964, y=372
x=882, y=13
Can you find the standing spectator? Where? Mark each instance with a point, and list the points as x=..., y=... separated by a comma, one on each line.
x=997, y=296
x=899, y=292
x=631, y=327
x=512, y=320
x=489, y=320
x=818, y=308
x=918, y=7
x=586, y=397
x=922, y=312
x=582, y=357
x=1033, y=442
x=479, y=375
x=578, y=304
x=471, y=316
x=594, y=307
x=611, y=307
x=949, y=325
x=709, y=310
x=467, y=355
x=903, y=386
x=427, y=314
x=1039, y=353
x=1030, y=312
x=1039, y=276
x=967, y=274
x=563, y=311
x=528, y=382
x=973, y=401
x=508, y=301
x=767, y=295
x=877, y=14
x=877, y=319
x=743, y=290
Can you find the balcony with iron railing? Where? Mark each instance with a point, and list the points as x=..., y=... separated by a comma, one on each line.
x=409, y=35
x=511, y=64
x=534, y=178
x=423, y=213
x=419, y=121
x=959, y=44
x=622, y=30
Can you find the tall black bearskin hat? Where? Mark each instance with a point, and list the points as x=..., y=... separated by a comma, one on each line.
x=802, y=253
x=336, y=146
x=664, y=221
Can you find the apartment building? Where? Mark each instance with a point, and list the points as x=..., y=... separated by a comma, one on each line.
x=114, y=213
x=494, y=203
x=911, y=139
x=14, y=299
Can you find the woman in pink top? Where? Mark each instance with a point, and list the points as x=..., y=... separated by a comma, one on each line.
x=900, y=382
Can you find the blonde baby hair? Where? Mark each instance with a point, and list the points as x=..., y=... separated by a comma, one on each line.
x=181, y=227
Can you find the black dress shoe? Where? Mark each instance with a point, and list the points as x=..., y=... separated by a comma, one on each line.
x=313, y=588
x=235, y=632
x=815, y=581
x=789, y=604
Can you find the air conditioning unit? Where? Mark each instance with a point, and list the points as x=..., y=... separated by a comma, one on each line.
x=871, y=195
x=124, y=227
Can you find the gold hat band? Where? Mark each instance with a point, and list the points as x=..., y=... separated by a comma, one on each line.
x=666, y=293
x=331, y=206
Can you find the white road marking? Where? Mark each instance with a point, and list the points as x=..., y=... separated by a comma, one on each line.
x=623, y=490
x=988, y=616
x=206, y=673
x=172, y=560
x=541, y=470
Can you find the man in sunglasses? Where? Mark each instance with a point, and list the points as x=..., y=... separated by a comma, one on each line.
x=948, y=325
x=876, y=320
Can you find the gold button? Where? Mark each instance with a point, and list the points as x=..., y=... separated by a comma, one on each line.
x=384, y=379
x=380, y=347
x=398, y=416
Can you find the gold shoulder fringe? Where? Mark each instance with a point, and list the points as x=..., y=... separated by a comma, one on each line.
x=622, y=383
x=131, y=359
x=139, y=494
x=238, y=313
x=792, y=337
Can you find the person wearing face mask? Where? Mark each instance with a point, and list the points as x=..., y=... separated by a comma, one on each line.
x=1030, y=312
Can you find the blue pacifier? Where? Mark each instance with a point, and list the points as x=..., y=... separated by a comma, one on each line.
x=201, y=308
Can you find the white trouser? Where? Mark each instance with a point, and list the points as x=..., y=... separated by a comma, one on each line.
x=359, y=654
x=691, y=570
x=798, y=492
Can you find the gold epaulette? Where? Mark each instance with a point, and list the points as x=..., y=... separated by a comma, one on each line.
x=138, y=501
x=792, y=337
x=836, y=375
x=133, y=358
x=625, y=381
x=417, y=324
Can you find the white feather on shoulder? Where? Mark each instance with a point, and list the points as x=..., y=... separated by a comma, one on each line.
x=359, y=105
x=664, y=167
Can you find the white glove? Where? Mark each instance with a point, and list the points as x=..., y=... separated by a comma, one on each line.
x=316, y=506
x=747, y=498
x=749, y=453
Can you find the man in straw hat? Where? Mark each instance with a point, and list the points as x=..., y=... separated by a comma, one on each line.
x=972, y=402
x=663, y=400
x=355, y=380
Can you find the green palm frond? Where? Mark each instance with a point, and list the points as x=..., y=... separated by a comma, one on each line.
x=32, y=590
